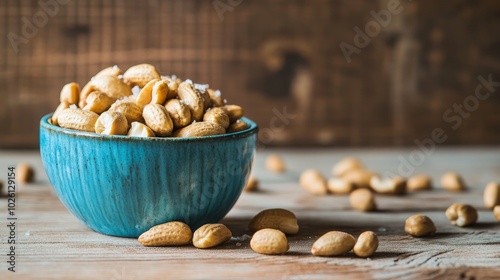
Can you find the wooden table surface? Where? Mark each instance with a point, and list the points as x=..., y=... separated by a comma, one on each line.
x=52, y=244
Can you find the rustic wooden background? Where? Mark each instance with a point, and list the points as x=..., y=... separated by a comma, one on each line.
x=269, y=56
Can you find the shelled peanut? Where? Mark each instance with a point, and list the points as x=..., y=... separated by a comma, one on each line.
x=142, y=103
x=211, y=235
x=25, y=173
x=419, y=225
x=279, y=219
x=366, y=245
x=168, y=234
x=496, y=212
x=275, y=163
x=419, y=182
x=252, y=184
x=452, y=182
x=312, y=181
x=461, y=215
x=333, y=243
x=491, y=195
x=396, y=185
x=269, y=241
x=349, y=174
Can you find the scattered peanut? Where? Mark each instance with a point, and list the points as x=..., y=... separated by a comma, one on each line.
x=275, y=163
x=491, y=195
x=312, y=181
x=419, y=225
x=77, y=119
x=252, y=184
x=211, y=235
x=111, y=123
x=269, y=242
x=359, y=177
x=461, y=215
x=339, y=186
x=168, y=234
x=496, y=212
x=396, y=185
x=280, y=219
x=419, y=183
x=451, y=181
x=366, y=245
x=140, y=130
x=345, y=165
x=333, y=243
x=25, y=173
x=363, y=200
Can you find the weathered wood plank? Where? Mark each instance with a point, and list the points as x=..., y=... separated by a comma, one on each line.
x=52, y=243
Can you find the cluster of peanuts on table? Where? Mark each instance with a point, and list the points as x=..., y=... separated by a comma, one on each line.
x=351, y=177
x=272, y=226
x=142, y=103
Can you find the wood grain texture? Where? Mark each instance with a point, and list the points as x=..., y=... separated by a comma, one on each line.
x=53, y=244
x=270, y=56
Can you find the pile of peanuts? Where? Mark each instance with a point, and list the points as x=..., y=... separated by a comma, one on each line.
x=142, y=103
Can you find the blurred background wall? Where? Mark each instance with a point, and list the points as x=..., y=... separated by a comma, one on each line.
x=315, y=72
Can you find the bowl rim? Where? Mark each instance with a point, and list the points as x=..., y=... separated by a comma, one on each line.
x=252, y=129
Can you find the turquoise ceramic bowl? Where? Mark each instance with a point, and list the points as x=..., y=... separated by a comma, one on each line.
x=123, y=186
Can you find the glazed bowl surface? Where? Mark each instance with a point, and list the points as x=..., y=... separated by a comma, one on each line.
x=122, y=186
